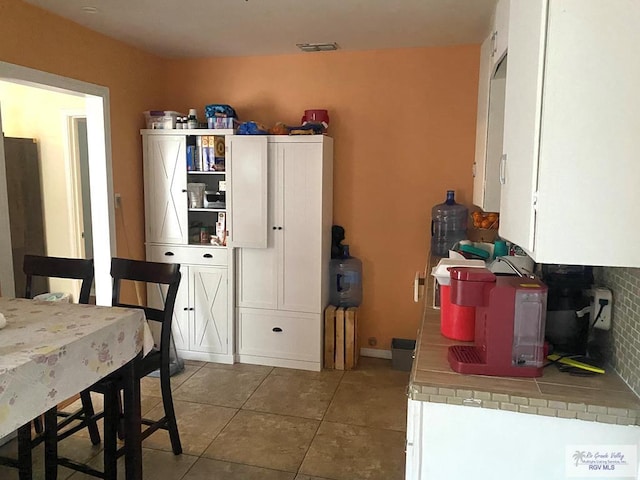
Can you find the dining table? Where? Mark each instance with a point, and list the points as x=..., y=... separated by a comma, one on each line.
x=51, y=351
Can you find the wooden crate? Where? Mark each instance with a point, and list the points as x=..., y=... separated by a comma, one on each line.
x=341, y=337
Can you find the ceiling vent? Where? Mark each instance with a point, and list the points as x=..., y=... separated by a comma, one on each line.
x=317, y=47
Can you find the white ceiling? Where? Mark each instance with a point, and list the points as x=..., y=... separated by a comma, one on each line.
x=203, y=28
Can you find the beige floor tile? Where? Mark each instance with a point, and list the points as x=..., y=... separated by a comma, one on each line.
x=198, y=425
x=369, y=406
x=296, y=395
x=195, y=363
x=218, y=386
x=79, y=450
x=150, y=386
x=241, y=367
x=348, y=452
x=307, y=477
x=156, y=465
x=146, y=404
x=207, y=469
x=264, y=440
x=376, y=371
x=324, y=375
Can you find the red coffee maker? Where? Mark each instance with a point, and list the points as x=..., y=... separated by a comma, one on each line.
x=510, y=318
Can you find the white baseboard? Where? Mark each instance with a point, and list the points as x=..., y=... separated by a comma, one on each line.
x=375, y=353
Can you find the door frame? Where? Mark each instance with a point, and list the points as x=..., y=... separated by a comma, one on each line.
x=100, y=174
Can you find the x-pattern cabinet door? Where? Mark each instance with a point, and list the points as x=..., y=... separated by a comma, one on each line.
x=208, y=287
x=165, y=189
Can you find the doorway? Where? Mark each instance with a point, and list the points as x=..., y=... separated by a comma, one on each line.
x=98, y=157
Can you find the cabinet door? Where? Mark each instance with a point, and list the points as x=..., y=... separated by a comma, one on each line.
x=257, y=268
x=482, y=123
x=165, y=189
x=155, y=298
x=208, y=287
x=247, y=200
x=523, y=104
x=300, y=240
x=501, y=31
x=589, y=141
x=414, y=433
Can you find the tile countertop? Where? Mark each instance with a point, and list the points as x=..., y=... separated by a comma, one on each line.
x=603, y=398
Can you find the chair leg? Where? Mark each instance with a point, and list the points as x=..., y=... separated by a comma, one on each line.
x=111, y=419
x=51, y=444
x=24, y=452
x=170, y=414
x=92, y=426
x=37, y=425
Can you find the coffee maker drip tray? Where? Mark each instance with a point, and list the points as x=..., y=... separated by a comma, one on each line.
x=468, y=359
x=465, y=358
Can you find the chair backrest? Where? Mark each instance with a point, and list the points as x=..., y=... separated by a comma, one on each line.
x=149, y=272
x=58, y=267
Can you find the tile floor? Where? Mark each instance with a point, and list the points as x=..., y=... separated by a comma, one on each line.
x=254, y=422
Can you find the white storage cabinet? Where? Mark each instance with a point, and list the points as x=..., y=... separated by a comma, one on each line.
x=282, y=289
x=203, y=322
x=570, y=168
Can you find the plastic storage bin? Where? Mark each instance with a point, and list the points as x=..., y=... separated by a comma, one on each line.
x=402, y=350
x=161, y=119
x=448, y=225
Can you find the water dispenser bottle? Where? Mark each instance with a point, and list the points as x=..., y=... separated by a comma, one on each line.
x=448, y=225
x=345, y=276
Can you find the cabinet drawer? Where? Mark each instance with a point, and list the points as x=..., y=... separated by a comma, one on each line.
x=275, y=334
x=188, y=255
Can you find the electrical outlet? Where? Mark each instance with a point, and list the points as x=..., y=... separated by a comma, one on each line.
x=601, y=298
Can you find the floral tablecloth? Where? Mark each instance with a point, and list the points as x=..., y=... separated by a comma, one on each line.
x=50, y=351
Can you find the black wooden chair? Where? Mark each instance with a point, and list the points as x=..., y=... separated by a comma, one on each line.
x=158, y=359
x=67, y=268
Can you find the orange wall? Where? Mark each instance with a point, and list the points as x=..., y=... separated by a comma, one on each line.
x=34, y=38
x=403, y=121
x=404, y=129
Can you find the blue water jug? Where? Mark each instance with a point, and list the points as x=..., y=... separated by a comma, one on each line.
x=448, y=225
x=345, y=276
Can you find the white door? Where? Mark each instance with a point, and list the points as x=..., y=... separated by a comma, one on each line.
x=247, y=199
x=7, y=285
x=300, y=240
x=209, y=302
x=166, y=189
x=523, y=104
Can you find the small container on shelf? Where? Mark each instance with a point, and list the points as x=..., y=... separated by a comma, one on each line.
x=161, y=119
x=205, y=236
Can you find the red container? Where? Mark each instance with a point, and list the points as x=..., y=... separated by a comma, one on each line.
x=456, y=322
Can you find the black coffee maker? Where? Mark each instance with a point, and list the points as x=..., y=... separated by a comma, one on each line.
x=567, y=325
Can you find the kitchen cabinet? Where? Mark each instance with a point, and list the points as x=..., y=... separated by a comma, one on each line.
x=500, y=34
x=204, y=315
x=282, y=289
x=490, y=113
x=489, y=132
x=570, y=168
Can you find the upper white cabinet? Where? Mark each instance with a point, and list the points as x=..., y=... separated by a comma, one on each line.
x=500, y=34
x=571, y=138
x=490, y=116
x=248, y=195
x=489, y=131
x=165, y=187
x=282, y=289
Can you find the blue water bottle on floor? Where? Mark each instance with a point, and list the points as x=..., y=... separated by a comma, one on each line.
x=345, y=276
